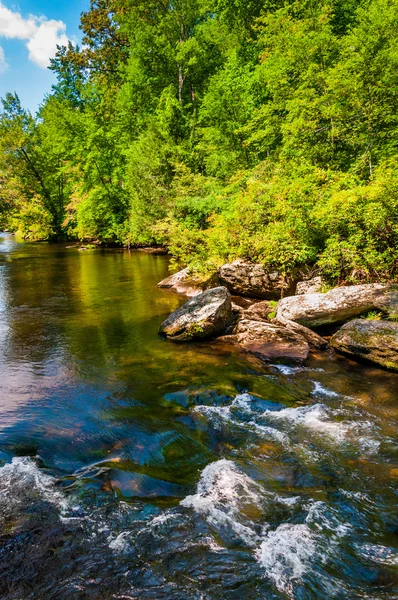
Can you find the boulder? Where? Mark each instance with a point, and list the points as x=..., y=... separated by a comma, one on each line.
x=259, y=311
x=338, y=305
x=376, y=341
x=253, y=280
x=309, y=286
x=314, y=340
x=186, y=284
x=243, y=303
x=204, y=316
x=240, y=304
x=269, y=341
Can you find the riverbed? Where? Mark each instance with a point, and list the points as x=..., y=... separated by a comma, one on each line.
x=132, y=467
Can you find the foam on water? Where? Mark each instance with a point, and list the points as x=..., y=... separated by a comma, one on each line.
x=314, y=417
x=288, y=370
x=286, y=554
x=224, y=498
x=325, y=519
x=22, y=477
x=317, y=418
x=221, y=494
x=322, y=420
x=320, y=390
x=290, y=553
x=241, y=401
x=378, y=554
x=220, y=415
x=119, y=543
x=270, y=432
x=161, y=519
x=221, y=480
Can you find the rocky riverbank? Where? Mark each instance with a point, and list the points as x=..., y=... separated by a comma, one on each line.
x=237, y=306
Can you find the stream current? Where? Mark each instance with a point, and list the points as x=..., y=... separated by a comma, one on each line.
x=135, y=468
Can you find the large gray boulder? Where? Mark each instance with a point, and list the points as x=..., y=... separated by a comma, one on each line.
x=187, y=284
x=376, y=341
x=338, y=305
x=204, y=316
x=269, y=341
x=253, y=280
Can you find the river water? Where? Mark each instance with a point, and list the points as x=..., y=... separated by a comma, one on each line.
x=135, y=468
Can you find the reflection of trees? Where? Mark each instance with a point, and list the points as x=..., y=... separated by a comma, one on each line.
x=91, y=307
x=89, y=370
x=118, y=301
x=35, y=283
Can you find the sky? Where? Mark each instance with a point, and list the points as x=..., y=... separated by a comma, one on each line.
x=29, y=33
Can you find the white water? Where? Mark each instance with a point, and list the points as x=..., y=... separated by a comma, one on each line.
x=222, y=493
x=286, y=555
x=319, y=420
x=22, y=476
x=224, y=497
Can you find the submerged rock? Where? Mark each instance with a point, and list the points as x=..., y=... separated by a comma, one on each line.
x=204, y=316
x=338, y=305
x=376, y=341
x=186, y=284
x=269, y=341
x=253, y=280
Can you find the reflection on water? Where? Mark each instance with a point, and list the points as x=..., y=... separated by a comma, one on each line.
x=137, y=468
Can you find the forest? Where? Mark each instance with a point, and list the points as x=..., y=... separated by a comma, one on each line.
x=219, y=129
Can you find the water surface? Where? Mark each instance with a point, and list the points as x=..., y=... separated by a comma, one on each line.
x=137, y=468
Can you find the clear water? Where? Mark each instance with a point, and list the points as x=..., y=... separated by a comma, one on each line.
x=135, y=468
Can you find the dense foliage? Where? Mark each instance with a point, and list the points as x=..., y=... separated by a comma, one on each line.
x=264, y=129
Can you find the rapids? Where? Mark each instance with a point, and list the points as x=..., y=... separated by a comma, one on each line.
x=134, y=468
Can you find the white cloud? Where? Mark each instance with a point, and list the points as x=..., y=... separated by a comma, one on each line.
x=12, y=25
x=42, y=35
x=43, y=44
x=3, y=62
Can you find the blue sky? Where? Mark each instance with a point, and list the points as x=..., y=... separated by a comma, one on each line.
x=29, y=32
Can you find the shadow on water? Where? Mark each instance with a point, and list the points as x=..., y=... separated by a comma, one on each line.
x=136, y=468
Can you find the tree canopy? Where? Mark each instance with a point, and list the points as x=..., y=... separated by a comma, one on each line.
x=222, y=129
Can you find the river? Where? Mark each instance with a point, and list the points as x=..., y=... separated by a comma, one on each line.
x=135, y=468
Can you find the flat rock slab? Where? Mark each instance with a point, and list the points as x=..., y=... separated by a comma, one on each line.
x=338, y=305
x=253, y=280
x=269, y=341
x=202, y=317
x=376, y=341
